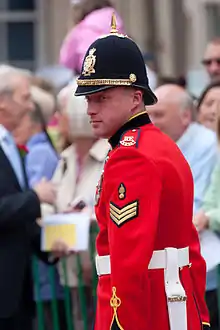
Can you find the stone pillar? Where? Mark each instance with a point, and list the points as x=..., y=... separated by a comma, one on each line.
x=179, y=37
x=197, y=36
x=165, y=36
x=135, y=14
x=58, y=25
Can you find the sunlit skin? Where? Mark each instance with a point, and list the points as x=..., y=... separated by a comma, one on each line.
x=15, y=105
x=24, y=131
x=110, y=109
x=211, y=60
x=209, y=108
x=201, y=221
x=167, y=114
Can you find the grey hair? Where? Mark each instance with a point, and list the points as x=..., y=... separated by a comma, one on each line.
x=45, y=101
x=186, y=103
x=64, y=95
x=7, y=75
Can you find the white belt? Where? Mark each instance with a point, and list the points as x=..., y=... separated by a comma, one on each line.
x=158, y=261
x=171, y=260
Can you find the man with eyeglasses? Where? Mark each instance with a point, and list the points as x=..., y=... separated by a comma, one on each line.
x=211, y=59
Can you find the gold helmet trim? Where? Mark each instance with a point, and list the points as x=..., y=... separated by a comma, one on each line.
x=105, y=82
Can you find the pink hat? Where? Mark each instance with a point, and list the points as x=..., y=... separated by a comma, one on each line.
x=83, y=34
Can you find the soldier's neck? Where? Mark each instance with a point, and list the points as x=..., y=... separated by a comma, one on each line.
x=139, y=113
x=139, y=119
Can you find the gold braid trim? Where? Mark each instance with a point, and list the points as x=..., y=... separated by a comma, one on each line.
x=101, y=82
x=115, y=302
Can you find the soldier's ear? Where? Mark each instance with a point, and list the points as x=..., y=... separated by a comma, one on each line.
x=138, y=97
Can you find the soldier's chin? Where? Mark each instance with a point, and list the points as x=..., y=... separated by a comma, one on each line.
x=99, y=133
x=96, y=131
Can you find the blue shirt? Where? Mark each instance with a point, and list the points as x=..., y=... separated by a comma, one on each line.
x=41, y=162
x=199, y=146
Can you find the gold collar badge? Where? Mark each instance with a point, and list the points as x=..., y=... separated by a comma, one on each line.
x=89, y=63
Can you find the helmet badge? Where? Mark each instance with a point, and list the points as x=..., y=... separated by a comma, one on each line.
x=89, y=63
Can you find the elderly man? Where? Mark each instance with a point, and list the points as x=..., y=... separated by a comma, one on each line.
x=211, y=60
x=32, y=132
x=143, y=201
x=174, y=114
x=19, y=208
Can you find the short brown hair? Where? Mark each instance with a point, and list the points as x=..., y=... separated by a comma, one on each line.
x=214, y=84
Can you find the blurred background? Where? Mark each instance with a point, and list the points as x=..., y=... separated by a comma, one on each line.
x=171, y=33
x=46, y=40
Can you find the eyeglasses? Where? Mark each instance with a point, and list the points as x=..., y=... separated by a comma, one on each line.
x=209, y=61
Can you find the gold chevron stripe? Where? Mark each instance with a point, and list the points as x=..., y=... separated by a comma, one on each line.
x=126, y=218
x=123, y=209
x=119, y=217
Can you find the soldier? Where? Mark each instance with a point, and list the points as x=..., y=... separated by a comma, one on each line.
x=151, y=273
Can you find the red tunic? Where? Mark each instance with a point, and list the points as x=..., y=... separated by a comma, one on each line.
x=145, y=203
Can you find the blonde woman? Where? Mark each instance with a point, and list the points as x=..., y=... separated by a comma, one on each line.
x=77, y=175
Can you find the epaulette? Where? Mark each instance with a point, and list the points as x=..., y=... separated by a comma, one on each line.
x=130, y=138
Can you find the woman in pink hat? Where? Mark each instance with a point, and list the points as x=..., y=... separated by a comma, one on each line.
x=92, y=19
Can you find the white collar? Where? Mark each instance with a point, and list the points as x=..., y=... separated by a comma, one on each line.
x=3, y=133
x=100, y=150
x=188, y=135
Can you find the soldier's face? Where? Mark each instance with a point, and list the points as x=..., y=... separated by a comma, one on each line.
x=110, y=109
